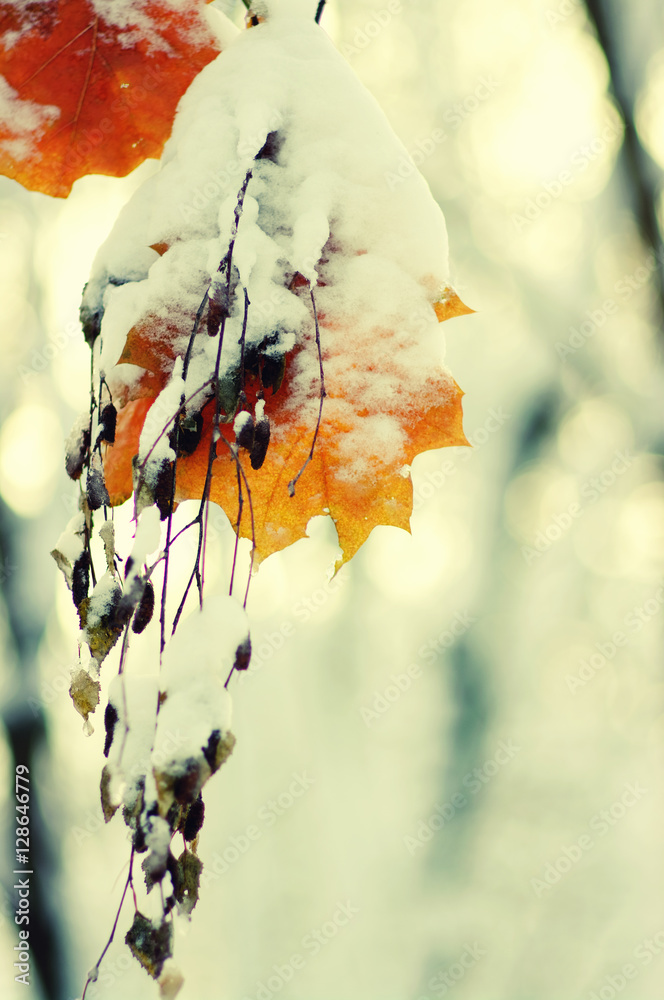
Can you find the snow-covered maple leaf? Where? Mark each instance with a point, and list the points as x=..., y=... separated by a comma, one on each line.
x=271, y=252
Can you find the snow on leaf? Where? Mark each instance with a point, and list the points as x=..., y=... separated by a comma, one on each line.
x=331, y=273
x=91, y=86
x=151, y=945
x=99, y=620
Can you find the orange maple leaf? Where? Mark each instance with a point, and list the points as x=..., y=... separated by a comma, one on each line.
x=84, y=95
x=357, y=499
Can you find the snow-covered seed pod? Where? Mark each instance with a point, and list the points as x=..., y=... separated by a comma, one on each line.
x=243, y=427
x=218, y=305
x=261, y=435
x=78, y=447
x=80, y=583
x=96, y=492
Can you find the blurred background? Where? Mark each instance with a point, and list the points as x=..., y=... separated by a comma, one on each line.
x=450, y=756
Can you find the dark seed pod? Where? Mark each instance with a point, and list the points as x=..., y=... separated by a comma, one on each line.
x=96, y=491
x=110, y=719
x=251, y=361
x=274, y=369
x=194, y=820
x=243, y=655
x=145, y=610
x=163, y=494
x=271, y=147
x=80, y=584
x=191, y=428
x=218, y=308
x=90, y=321
x=123, y=611
x=187, y=784
x=261, y=441
x=210, y=750
x=108, y=421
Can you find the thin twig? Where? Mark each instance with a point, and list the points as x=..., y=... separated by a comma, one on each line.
x=291, y=485
x=240, y=500
x=128, y=883
x=167, y=554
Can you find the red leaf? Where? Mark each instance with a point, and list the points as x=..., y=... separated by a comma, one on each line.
x=83, y=95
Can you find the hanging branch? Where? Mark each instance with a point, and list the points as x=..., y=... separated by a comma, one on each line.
x=225, y=266
x=638, y=166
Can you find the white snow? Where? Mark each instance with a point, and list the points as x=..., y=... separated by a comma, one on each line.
x=148, y=536
x=196, y=663
x=102, y=598
x=24, y=120
x=135, y=23
x=241, y=420
x=135, y=700
x=159, y=420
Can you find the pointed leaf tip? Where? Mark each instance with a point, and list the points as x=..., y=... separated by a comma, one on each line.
x=450, y=305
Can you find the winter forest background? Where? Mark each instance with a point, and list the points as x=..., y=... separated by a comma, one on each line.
x=459, y=739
